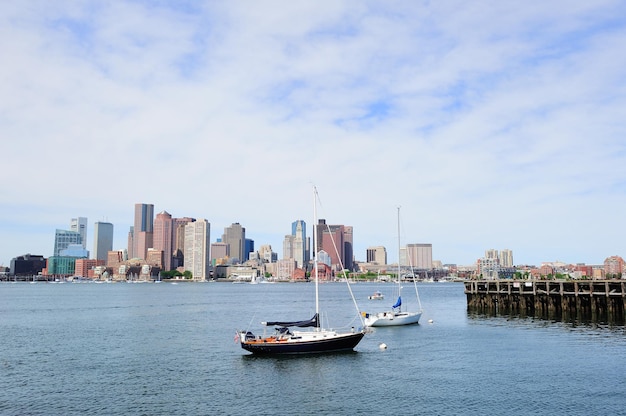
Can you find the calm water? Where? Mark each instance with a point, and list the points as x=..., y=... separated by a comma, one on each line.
x=163, y=349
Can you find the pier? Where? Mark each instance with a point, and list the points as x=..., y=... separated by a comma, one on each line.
x=584, y=300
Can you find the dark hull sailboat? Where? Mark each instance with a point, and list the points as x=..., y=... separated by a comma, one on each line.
x=301, y=342
x=313, y=340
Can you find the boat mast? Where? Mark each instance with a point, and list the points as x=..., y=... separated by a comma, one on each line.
x=315, y=266
x=399, y=255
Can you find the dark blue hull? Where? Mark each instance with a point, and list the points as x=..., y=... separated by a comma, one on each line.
x=343, y=343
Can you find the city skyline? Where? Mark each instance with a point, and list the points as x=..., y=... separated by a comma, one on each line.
x=416, y=255
x=491, y=124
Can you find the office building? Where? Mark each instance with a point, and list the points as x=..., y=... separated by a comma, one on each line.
x=337, y=242
x=235, y=237
x=27, y=265
x=197, y=249
x=163, y=236
x=178, y=241
x=102, y=240
x=420, y=256
x=506, y=258
x=142, y=231
x=79, y=225
x=63, y=239
x=300, y=252
x=376, y=255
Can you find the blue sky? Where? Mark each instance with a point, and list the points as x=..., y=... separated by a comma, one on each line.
x=493, y=124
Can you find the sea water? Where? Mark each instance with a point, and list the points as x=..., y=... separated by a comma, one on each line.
x=164, y=349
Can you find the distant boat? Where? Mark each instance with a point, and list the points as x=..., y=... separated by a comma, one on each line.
x=376, y=296
x=314, y=340
x=396, y=316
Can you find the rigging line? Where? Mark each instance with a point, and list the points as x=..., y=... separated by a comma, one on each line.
x=419, y=302
x=343, y=270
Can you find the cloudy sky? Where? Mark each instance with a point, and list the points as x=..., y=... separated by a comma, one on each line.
x=493, y=124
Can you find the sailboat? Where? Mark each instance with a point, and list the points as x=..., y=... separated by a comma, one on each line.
x=315, y=339
x=396, y=316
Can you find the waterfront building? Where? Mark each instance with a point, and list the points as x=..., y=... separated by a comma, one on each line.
x=285, y=269
x=86, y=267
x=377, y=255
x=63, y=238
x=79, y=225
x=102, y=240
x=27, y=265
x=420, y=255
x=115, y=258
x=163, y=235
x=61, y=265
x=235, y=237
x=142, y=231
x=197, y=249
x=155, y=258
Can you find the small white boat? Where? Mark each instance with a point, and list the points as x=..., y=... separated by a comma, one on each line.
x=376, y=296
x=396, y=316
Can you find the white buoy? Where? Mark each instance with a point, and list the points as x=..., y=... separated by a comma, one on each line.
x=382, y=346
x=430, y=321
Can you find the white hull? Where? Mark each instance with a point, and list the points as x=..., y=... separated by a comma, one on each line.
x=392, y=318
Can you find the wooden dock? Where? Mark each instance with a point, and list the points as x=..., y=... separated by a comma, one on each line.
x=588, y=300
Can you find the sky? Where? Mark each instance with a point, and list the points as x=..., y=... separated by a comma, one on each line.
x=492, y=124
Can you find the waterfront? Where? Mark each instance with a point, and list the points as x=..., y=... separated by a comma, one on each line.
x=162, y=349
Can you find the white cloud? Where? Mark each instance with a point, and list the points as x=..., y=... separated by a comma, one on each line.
x=494, y=125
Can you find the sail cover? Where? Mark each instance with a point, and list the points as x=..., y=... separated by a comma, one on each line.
x=398, y=303
x=314, y=322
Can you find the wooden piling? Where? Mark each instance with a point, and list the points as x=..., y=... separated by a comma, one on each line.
x=585, y=300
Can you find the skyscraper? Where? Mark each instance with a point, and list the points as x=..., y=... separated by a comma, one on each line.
x=163, y=237
x=63, y=239
x=79, y=225
x=178, y=241
x=235, y=237
x=299, y=245
x=143, y=230
x=506, y=258
x=197, y=249
x=337, y=242
x=102, y=240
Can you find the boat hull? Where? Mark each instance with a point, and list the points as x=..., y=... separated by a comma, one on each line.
x=392, y=319
x=309, y=345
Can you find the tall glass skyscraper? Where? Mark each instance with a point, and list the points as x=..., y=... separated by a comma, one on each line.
x=142, y=230
x=63, y=239
x=79, y=225
x=103, y=240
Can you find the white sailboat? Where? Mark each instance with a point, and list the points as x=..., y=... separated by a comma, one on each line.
x=396, y=316
x=315, y=339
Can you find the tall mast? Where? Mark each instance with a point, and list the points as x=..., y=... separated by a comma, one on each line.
x=399, y=255
x=315, y=266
